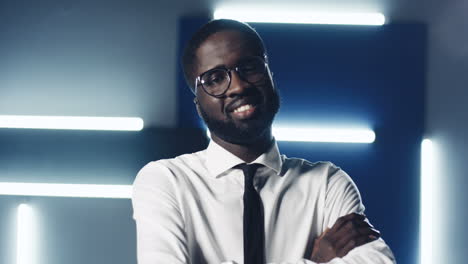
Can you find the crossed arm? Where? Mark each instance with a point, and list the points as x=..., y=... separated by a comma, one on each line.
x=349, y=231
x=349, y=237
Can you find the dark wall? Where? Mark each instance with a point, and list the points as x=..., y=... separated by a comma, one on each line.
x=447, y=126
x=92, y=157
x=352, y=76
x=90, y=58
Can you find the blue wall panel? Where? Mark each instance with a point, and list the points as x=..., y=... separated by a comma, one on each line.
x=358, y=76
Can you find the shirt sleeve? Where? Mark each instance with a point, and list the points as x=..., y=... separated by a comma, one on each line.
x=342, y=198
x=161, y=236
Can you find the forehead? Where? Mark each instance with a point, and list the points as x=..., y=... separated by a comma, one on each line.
x=224, y=48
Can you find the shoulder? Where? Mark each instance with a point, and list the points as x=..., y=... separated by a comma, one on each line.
x=169, y=171
x=323, y=168
x=324, y=173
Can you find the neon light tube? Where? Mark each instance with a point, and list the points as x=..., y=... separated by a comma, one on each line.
x=66, y=190
x=25, y=240
x=320, y=135
x=266, y=14
x=427, y=169
x=72, y=122
x=324, y=135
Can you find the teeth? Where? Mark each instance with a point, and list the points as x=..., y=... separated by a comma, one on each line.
x=242, y=108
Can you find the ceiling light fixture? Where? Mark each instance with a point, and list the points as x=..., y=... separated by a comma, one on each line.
x=296, y=15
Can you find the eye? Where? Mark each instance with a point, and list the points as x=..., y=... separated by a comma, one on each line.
x=253, y=66
x=214, y=78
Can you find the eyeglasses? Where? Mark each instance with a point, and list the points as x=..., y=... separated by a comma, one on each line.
x=216, y=82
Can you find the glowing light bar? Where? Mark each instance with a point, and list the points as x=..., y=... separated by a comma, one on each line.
x=72, y=122
x=275, y=14
x=427, y=169
x=25, y=240
x=320, y=135
x=324, y=135
x=66, y=190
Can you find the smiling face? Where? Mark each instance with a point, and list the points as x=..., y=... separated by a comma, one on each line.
x=245, y=112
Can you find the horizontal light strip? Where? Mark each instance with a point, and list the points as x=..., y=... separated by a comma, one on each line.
x=323, y=135
x=26, y=234
x=72, y=122
x=66, y=190
x=265, y=14
x=427, y=168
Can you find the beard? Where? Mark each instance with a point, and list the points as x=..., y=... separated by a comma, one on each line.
x=248, y=131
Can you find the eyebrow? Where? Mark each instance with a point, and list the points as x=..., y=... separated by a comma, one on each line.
x=223, y=66
x=218, y=66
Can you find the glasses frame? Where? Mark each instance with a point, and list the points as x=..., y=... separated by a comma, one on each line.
x=228, y=71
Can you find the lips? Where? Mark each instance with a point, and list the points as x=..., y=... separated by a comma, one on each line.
x=242, y=104
x=244, y=112
x=244, y=108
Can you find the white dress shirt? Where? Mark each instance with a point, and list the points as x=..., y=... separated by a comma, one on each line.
x=189, y=209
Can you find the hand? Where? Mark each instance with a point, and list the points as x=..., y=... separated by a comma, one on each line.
x=348, y=232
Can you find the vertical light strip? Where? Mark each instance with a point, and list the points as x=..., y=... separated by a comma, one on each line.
x=427, y=172
x=25, y=235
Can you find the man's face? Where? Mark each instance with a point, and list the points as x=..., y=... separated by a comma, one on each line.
x=246, y=110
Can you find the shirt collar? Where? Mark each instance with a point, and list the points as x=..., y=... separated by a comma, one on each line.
x=219, y=160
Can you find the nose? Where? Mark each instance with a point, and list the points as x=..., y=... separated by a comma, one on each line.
x=237, y=86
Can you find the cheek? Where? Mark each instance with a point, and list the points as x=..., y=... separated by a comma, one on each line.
x=212, y=106
x=268, y=90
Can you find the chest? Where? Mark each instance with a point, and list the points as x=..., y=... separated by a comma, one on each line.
x=214, y=216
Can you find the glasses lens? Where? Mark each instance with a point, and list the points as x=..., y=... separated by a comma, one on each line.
x=252, y=70
x=215, y=82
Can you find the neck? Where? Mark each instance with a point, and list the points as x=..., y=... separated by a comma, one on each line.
x=248, y=152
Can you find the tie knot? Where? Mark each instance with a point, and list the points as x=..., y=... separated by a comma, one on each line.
x=249, y=171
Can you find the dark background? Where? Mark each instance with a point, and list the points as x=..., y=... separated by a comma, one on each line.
x=404, y=80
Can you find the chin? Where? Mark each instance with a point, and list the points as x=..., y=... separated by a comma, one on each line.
x=243, y=134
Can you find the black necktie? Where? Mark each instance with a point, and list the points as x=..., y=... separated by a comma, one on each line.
x=254, y=232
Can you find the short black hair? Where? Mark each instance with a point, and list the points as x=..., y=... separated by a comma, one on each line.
x=210, y=28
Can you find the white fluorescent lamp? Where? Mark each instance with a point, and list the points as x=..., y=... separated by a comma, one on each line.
x=25, y=240
x=323, y=135
x=66, y=190
x=427, y=169
x=72, y=122
x=272, y=14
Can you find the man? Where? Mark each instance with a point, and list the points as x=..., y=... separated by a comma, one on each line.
x=239, y=200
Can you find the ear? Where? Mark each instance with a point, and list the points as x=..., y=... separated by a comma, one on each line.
x=197, y=105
